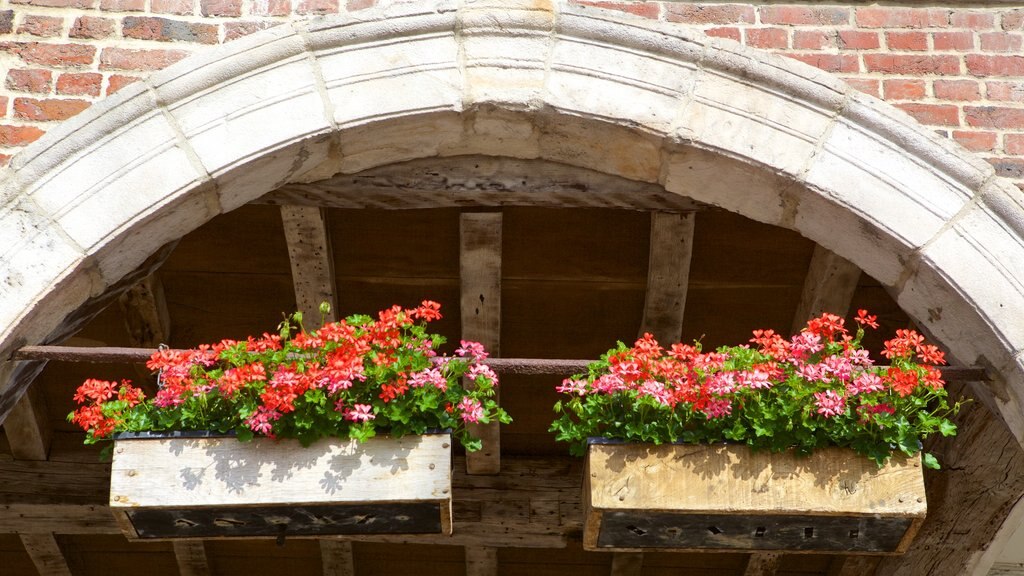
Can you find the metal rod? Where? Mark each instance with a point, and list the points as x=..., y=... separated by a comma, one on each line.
x=527, y=366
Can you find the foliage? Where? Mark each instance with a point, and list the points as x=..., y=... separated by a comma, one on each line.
x=819, y=388
x=348, y=379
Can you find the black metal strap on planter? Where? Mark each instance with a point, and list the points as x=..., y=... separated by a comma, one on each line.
x=527, y=366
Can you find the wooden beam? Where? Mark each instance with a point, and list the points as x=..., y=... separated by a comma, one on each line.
x=480, y=274
x=481, y=561
x=145, y=313
x=829, y=286
x=309, y=250
x=763, y=564
x=627, y=564
x=45, y=554
x=668, y=275
x=336, y=557
x=479, y=181
x=853, y=565
x=27, y=425
x=191, y=557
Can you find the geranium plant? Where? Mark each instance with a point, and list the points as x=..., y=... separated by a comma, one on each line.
x=349, y=379
x=818, y=388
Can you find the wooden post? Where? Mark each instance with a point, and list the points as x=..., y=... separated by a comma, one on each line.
x=668, y=275
x=336, y=556
x=309, y=249
x=829, y=286
x=480, y=273
x=763, y=564
x=45, y=554
x=26, y=426
x=191, y=557
x=145, y=313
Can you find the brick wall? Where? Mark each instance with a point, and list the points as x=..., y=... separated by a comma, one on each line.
x=958, y=69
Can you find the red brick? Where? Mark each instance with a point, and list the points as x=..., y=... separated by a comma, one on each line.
x=984, y=65
x=3, y=106
x=646, y=9
x=1001, y=42
x=45, y=26
x=904, y=89
x=48, y=109
x=317, y=7
x=18, y=135
x=80, y=4
x=118, y=81
x=92, y=27
x=829, y=62
x=858, y=40
x=355, y=5
x=866, y=85
x=973, y=20
x=123, y=5
x=84, y=84
x=957, y=90
x=5, y=159
x=893, y=17
x=805, y=15
x=953, y=40
x=34, y=80
x=767, y=37
x=912, y=64
x=235, y=30
x=220, y=7
x=1008, y=167
x=181, y=7
x=907, y=40
x=934, y=114
x=1005, y=91
x=271, y=7
x=976, y=141
x=1013, y=144
x=55, y=55
x=814, y=39
x=710, y=13
x=166, y=30
x=994, y=117
x=128, y=59
x=1013, y=19
x=725, y=32
x=6, y=21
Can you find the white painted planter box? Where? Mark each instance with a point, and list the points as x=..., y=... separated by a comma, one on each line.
x=220, y=487
x=725, y=497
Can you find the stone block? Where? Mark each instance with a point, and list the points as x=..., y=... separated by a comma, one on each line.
x=398, y=140
x=600, y=145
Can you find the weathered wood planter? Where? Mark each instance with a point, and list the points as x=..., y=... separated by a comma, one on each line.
x=688, y=497
x=220, y=487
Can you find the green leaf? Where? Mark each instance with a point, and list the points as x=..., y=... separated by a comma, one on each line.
x=930, y=461
x=947, y=428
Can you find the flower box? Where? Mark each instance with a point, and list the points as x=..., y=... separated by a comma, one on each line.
x=640, y=497
x=209, y=487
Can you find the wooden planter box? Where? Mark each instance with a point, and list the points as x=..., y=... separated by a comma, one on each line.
x=220, y=487
x=724, y=497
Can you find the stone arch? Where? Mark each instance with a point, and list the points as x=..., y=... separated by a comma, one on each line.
x=763, y=136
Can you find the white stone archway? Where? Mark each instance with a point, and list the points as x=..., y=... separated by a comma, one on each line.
x=760, y=135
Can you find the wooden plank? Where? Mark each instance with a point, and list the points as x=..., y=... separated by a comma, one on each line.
x=481, y=561
x=627, y=564
x=668, y=274
x=829, y=286
x=45, y=554
x=312, y=261
x=27, y=426
x=479, y=181
x=480, y=274
x=191, y=557
x=336, y=557
x=763, y=564
x=854, y=566
x=145, y=313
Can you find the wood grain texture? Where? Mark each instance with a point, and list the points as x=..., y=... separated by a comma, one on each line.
x=145, y=313
x=668, y=276
x=481, y=561
x=27, y=425
x=480, y=278
x=312, y=261
x=627, y=564
x=763, y=564
x=191, y=558
x=336, y=557
x=45, y=554
x=225, y=472
x=829, y=287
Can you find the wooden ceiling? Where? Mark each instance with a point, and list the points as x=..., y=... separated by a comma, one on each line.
x=559, y=283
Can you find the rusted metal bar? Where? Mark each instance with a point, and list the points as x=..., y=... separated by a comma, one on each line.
x=526, y=366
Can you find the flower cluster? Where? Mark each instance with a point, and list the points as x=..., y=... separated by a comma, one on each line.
x=818, y=388
x=348, y=379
